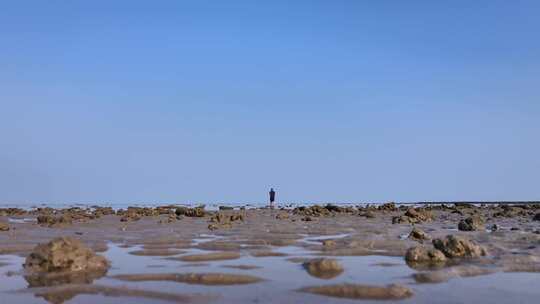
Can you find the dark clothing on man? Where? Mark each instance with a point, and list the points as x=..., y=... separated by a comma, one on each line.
x=272, y=195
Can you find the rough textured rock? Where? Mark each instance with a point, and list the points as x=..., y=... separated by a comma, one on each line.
x=323, y=268
x=391, y=206
x=418, y=215
x=368, y=292
x=223, y=220
x=367, y=214
x=64, y=255
x=282, y=216
x=4, y=227
x=424, y=255
x=191, y=212
x=329, y=243
x=402, y=219
x=50, y=220
x=472, y=223
x=458, y=247
x=418, y=235
x=314, y=210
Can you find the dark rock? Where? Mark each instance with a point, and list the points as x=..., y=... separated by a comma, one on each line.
x=472, y=223
x=54, y=220
x=418, y=235
x=391, y=206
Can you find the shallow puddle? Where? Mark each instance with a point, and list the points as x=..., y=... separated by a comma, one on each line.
x=281, y=279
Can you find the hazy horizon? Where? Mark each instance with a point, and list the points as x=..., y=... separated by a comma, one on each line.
x=338, y=101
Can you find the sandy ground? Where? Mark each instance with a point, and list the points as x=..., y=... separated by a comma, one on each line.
x=239, y=238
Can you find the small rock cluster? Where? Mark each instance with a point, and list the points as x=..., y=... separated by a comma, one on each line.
x=223, y=220
x=472, y=223
x=448, y=248
x=413, y=216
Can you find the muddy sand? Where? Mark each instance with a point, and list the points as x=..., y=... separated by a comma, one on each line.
x=460, y=253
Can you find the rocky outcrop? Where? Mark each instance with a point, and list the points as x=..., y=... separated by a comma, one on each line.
x=458, y=247
x=472, y=223
x=314, y=210
x=413, y=216
x=64, y=254
x=224, y=220
x=50, y=220
x=191, y=212
x=418, y=235
x=423, y=255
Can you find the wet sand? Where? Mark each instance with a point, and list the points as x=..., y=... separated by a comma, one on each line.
x=160, y=255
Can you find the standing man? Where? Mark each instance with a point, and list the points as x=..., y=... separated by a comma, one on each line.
x=272, y=194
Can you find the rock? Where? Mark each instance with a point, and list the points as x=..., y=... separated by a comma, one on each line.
x=4, y=227
x=367, y=292
x=423, y=255
x=472, y=223
x=130, y=217
x=54, y=221
x=329, y=243
x=314, y=210
x=510, y=211
x=458, y=247
x=12, y=212
x=367, y=214
x=170, y=219
x=418, y=215
x=494, y=227
x=391, y=206
x=536, y=217
x=191, y=212
x=401, y=220
x=418, y=235
x=282, y=216
x=307, y=219
x=64, y=254
x=222, y=220
x=323, y=268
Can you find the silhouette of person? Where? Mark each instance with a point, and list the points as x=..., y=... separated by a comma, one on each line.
x=272, y=194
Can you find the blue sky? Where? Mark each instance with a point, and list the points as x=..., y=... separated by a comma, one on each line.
x=216, y=101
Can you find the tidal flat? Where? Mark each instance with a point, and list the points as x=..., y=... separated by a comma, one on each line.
x=454, y=253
